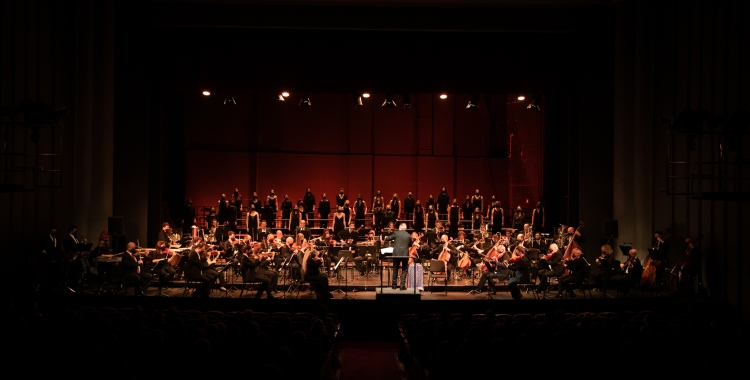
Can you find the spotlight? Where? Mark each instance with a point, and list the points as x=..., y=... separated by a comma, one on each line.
x=366, y=95
x=521, y=97
x=473, y=102
x=407, y=100
x=206, y=92
x=388, y=102
x=534, y=105
x=357, y=99
x=281, y=97
x=229, y=101
x=305, y=101
x=285, y=94
x=443, y=96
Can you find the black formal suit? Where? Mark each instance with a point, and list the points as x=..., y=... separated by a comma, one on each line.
x=295, y=261
x=250, y=270
x=305, y=231
x=317, y=279
x=550, y=268
x=520, y=270
x=162, y=236
x=348, y=234
x=69, y=243
x=263, y=233
x=131, y=276
x=576, y=275
x=198, y=269
x=51, y=246
x=401, y=242
x=629, y=278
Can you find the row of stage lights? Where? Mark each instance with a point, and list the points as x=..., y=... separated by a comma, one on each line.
x=388, y=102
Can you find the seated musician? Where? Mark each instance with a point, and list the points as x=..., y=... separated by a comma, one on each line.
x=198, y=269
x=446, y=252
x=232, y=244
x=317, y=280
x=551, y=266
x=162, y=268
x=131, y=271
x=263, y=230
x=291, y=254
x=250, y=265
x=631, y=273
x=519, y=266
x=575, y=265
x=601, y=271
x=538, y=243
x=359, y=260
x=349, y=236
x=303, y=229
x=493, y=269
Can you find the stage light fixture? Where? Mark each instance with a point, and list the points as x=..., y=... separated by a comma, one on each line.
x=388, y=102
x=407, y=100
x=305, y=101
x=281, y=97
x=357, y=97
x=366, y=95
x=229, y=101
x=521, y=98
x=285, y=94
x=534, y=105
x=473, y=102
x=443, y=96
x=206, y=93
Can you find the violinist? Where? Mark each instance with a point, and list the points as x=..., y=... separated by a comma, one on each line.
x=631, y=273
x=537, y=242
x=266, y=259
x=551, y=265
x=518, y=264
x=313, y=275
x=162, y=268
x=250, y=265
x=131, y=270
x=232, y=244
x=197, y=269
x=291, y=254
x=349, y=236
x=601, y=271
x=575, y=265
x=492, y=269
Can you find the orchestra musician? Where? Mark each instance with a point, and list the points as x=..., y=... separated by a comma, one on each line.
x=686, y=269
x=198, y=269
x=132, y=273
x=538, y=218
x=286, y=211
x=250, y=263
x=631, y=273
x=313, y=274
x=349, y=236
x=575, y=265
x=409, y=207
x=446, y=252
x=324, y=209
x=358, y=261
x=602, y=270
x=263, y=231
x=162, y=268
x=415, y=280
x=551, y=265
x=538, y=243
x=492, y=269
x=253, y=222
x=163, y=234
x=303, y=229
x=519, y=266
x=290, y=252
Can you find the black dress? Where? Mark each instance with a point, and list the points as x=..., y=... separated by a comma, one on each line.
x=418, y=220
x=286, y=211
x=394, y=206
x=252, y=225
x=295, y=218
x=476, y=221
x=431, y=219
x=359, y=214
x=339, y=223
x=497, y=220
x=453, y=219
x=538, y=220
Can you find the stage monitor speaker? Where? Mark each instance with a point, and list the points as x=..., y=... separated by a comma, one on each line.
x=115, y=225
x=609, y=229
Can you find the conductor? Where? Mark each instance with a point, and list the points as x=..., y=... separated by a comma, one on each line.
x=401, y=240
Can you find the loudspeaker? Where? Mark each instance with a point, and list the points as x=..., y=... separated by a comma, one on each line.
x=609, y=229
x=115, y=225
x=117, y=242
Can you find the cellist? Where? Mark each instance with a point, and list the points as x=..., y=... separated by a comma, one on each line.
x=575, y=264
x=491, y=269
x=683, y=272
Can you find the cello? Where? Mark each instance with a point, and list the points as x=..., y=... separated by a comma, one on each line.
x=651, y=266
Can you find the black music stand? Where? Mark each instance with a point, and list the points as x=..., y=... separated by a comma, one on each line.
x=383, y=257
x=156, y=269
x=222, y=272
x=346, y=256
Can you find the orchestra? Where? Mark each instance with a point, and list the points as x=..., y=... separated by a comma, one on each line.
x=472, y=241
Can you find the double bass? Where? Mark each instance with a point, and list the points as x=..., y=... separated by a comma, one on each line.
x=651, y=266
x=568, y=256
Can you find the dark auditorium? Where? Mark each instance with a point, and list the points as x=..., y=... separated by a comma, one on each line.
x=375, y=189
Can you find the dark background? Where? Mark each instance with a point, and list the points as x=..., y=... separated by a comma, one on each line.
x=139, y=138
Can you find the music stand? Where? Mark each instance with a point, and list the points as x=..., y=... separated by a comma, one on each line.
x=223, y=272
x=156, y=269
x=345, y=255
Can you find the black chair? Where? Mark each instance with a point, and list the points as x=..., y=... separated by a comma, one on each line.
x=437, y=270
